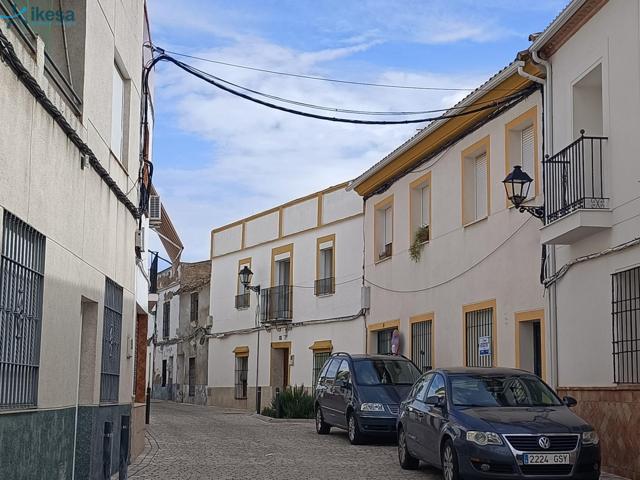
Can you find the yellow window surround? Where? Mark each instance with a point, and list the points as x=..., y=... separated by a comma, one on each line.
x=482, y=146
x=526, y=119
x=425, y=317
x=474, y=307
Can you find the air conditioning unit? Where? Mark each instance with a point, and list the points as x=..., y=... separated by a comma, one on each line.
x=155, y=215
x=140, y=239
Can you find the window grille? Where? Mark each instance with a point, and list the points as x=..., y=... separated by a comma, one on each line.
x=194, y=307
x=478, y=324
x=241, y=374
x=21, y=284
x=192, y=376
x=166, y=316
x=319, y=359
x=111, y=339
x=384, y=341
x=625, y=309
x=421, y=353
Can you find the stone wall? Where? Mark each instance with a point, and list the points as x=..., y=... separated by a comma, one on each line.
x=615, y=414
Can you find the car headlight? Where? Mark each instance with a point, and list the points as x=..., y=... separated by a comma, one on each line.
x=372, y=407
x=590, y=438
x=484, y=438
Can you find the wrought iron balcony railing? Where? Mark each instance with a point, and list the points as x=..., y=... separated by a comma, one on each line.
x=325, y=286
x=574, y=178
x=276, y=304
x=242, y=301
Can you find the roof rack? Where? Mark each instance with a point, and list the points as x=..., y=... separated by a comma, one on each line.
x=336, y=354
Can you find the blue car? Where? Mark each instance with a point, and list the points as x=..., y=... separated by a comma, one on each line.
x=362, y=394
x=481, y=423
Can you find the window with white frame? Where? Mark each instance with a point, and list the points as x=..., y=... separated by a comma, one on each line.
x=325, y=281
x=475, y=183
x=420, y=205
x=521, y=146
x=117, y=114
x=383, y=224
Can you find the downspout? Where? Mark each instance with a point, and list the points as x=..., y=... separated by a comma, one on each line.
x=552, y=303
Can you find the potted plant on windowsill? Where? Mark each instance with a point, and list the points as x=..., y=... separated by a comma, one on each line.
x=421, y=237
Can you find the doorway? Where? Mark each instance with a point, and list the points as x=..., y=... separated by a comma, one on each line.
x=280, y=368
x=530, y=342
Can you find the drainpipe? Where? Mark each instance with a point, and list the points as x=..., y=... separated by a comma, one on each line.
x=552, y=304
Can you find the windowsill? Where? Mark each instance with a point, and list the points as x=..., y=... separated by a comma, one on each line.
x=322, y=295
x=242, y=308
x=475, y=221
x=383, y=259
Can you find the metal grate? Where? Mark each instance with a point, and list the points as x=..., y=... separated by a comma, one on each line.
x=21, y=285
x=166, y=316
x=192, y=376
x=421, y=353
x=325, y=286
x=276, y=304
x=195, y=299
x=319, y=359
x=241, y=374
x=384, y=341
x=557, y=443
x=625, y=309
x=111, y=333
x=242, y=301
x=478, y=324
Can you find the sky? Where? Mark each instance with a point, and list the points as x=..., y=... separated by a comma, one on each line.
x=219, y=158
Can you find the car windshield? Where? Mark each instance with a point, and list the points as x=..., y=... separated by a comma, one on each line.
x=501, y=391
x=383, y=371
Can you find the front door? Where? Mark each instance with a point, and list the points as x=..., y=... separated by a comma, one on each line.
x=530, y=346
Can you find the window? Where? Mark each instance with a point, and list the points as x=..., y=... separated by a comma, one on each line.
x=241, y=376
x=164, y=373
x=325, y=266
x=243, y=296
x=475, y=182
x=587, y=104
x=111, y=333
x=422, y=344
x=166, y=319
x=192, y=376
x=21, y=284
x=319, y=361
x=383, y=225
x=384, y=341
x=344, y=374
x=332, y=369
x=479, y=323
x=418, y=390
x=420, y=208
x=194, y=307
x=437, y=387
x=625, y=288
x=521, y=147
x=117, y=114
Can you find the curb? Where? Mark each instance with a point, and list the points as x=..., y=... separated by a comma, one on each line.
x=266, y=419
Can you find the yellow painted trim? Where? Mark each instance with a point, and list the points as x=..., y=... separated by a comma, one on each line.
x=494, y=328
x=319, y=208
x=447, y=132
x=426, y=178
x=384, y=203
x=376, y=327
x=529, y=115
x=319, y=241
x=241, y=262
x=528, y=316
x=241, y=351
x=281, y=345
x=482, y=145
x=277, y=251
x=280, y=222
x=321, y=346
x=425, y=317
x=244, y=235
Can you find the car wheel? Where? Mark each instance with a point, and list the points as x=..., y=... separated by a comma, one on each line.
x=407, y=461
x=353, y=430
x=322, y=428
x=449, y=462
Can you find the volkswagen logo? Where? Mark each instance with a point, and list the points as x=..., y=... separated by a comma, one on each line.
x=544, y=443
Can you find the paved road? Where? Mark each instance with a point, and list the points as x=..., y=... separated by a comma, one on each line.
x=191, y=443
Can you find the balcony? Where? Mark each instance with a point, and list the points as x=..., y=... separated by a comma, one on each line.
x=575, y=201
x=242, y=301
x=325, y=286
x=276, y=304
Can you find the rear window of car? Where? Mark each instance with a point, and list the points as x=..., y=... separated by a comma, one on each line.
x=386, y=372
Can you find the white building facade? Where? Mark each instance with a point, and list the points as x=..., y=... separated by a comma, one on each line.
x=306, y=256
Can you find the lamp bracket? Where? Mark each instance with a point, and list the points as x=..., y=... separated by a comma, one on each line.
x=253, y=288
x=535, y=210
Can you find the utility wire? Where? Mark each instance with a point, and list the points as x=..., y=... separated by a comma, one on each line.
x=333, y=80
x=187, y=68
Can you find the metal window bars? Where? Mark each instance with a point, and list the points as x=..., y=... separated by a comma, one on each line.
x=384, y=341
x=195, y=305
x=625, y=312
x=243, y=300
x=325, y=286
x=111, y=341
x=319, y=359
x=276, y=304
x=421, y=353
x=166, y=319
x=241, y=376
x=479, y=323
x=574, y=178
x=21, y=288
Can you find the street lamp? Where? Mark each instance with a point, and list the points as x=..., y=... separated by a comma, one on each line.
x=245, y=279
x=517, y=185
x=245, y=275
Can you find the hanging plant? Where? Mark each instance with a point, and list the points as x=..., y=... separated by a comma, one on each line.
x=421, y=237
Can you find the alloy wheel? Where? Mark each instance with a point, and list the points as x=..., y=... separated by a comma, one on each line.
x=447, y=463
x=318, y=419
x=352, y=428
x=402, y=447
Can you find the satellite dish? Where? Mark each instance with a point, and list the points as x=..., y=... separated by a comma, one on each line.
x=395, y=342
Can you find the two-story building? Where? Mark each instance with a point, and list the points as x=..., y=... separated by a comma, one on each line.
x=306, y=257
x=450, y=265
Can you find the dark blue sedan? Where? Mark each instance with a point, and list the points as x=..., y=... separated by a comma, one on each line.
x=480, y=423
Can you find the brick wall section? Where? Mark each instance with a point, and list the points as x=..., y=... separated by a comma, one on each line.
x=615, y=414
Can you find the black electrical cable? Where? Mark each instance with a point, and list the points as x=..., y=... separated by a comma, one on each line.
x=187, y=68
x=333, y=80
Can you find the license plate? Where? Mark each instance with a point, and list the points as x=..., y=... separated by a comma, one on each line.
x=545, y=458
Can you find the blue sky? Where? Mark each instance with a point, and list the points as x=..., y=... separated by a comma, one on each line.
x=219, y=158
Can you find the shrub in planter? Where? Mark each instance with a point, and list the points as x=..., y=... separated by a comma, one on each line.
x=421, y=237
x=293, y=402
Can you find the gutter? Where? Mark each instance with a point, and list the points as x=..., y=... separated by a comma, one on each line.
x=553, y=28
x=433, y=126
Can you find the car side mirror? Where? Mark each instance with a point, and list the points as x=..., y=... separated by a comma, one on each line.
x=342, y=383
x=436, y=401
x=569, y=401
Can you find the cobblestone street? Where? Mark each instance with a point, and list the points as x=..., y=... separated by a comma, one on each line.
x=191, y=443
